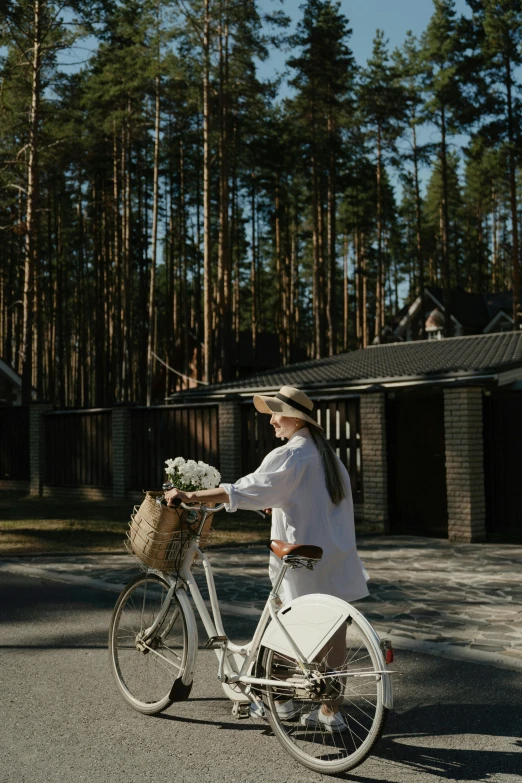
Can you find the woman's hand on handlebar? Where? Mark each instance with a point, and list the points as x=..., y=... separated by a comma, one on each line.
x=172, y=494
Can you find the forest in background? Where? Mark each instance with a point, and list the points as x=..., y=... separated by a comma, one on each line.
x=163, y=199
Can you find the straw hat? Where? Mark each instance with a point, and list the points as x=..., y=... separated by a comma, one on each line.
x=287, y=402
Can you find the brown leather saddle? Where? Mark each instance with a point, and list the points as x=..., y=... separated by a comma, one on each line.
x=281, y=549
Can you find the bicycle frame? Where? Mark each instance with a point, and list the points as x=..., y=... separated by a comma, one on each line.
x=223, y=647
x=214, y=625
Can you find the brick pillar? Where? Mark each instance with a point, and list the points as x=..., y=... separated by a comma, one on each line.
x=230, y=439
x=465, y=464
x=121, y=451
x=37, y=447
x=374, y=460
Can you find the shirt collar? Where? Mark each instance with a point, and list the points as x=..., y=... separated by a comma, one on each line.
x=302, y=432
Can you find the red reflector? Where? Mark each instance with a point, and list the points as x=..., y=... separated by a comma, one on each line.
x=389, y=655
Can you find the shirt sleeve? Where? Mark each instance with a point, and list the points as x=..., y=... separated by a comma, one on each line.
x=270, y=486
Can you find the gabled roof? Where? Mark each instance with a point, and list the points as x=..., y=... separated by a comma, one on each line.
x=475, y=312
x=9, y=373
x=454, y=358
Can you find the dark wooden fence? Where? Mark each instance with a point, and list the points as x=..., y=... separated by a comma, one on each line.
x=162, y=433
x=14, y=442
x=340, y=419
x=78, y=447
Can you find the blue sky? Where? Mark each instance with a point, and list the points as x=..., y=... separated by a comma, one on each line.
x=395, y=17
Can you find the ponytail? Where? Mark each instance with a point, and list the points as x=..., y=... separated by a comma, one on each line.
x=332, y=472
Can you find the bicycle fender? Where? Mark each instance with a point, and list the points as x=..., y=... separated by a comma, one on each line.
x=311, y=620
x=179, y=691
x=373, y=638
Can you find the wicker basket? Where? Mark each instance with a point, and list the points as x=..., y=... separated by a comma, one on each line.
x=159, y=535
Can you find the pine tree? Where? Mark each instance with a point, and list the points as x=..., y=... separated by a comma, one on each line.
x=382, y=102
x=324, y=73
x=442, y=53
x=498, y=30
x=409, y=64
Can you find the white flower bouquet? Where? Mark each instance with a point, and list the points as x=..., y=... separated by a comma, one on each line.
x=189, y=475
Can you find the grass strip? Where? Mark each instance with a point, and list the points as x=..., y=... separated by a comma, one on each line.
x=44, y=525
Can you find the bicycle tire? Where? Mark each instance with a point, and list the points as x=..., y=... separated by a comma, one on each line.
x=313, y=746
x=145, y=673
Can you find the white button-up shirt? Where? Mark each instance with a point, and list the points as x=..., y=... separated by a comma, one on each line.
x=291, y=481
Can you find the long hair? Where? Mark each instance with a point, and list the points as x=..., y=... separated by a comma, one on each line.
x=335, y=483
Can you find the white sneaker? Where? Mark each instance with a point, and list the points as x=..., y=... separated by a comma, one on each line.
x=331, y=723
x=257, y=710
x=285, y=710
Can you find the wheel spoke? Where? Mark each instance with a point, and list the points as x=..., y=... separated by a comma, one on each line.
x=145, y=672
x=354, y=706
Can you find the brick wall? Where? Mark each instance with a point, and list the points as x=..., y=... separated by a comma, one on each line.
x=373, y=511
x=37, y=447
x=230, y=440
x=465, y=464
x=121, y=452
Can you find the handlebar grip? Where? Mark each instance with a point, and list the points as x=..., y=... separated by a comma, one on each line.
x=176, y=502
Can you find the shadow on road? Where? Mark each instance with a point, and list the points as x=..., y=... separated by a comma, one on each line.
x=441, y=753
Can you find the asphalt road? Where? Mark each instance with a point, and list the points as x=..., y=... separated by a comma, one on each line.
x=64, y=722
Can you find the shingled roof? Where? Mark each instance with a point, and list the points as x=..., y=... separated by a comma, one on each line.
x=457, y=358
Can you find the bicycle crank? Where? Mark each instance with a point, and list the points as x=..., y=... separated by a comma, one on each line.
x=241, y=709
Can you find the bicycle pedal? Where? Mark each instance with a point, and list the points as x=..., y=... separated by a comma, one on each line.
x=241, y=709
x=215, y=642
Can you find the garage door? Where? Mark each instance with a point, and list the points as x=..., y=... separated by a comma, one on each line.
x=416, y=464
x=503, y=465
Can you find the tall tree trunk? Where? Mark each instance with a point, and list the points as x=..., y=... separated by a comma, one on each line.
x=379, y=285
x=31, y=245
x=346, y=311
x=253, y=274
x=418, y=229
x=127, y=281
x=331, y=284
x=316, y=273
x=200, y=316
x=294, y=285
x=207, y=271
x=494, y=284
x=116, y=298
x=224, y=239
x=183, y=261
x=515, y=259
x=278, y=272
x=235, y=253
x=446, y=275
x=155, y=205
x=364, y=291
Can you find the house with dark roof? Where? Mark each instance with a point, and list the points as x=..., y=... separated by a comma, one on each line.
x=470, y=314
x=10, y=385
x=431, y=431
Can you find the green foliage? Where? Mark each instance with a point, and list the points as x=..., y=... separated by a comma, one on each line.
x=294, y=184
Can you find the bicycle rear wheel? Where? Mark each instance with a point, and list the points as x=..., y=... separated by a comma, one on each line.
x=144, y=667
x=357, y=701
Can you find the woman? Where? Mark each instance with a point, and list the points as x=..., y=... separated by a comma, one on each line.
x=307, y=488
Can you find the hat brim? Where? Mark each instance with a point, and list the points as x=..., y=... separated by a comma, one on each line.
x=274, y=405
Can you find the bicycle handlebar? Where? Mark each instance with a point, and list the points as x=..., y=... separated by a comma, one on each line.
x=207, y=509
x=176, y=503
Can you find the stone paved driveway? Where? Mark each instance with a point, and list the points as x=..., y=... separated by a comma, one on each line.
x=455, y=600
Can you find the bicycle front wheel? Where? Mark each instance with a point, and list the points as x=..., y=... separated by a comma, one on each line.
x=336, y=729
x=145, y=666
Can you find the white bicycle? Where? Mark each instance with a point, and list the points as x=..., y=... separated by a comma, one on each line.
x=285, y=673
